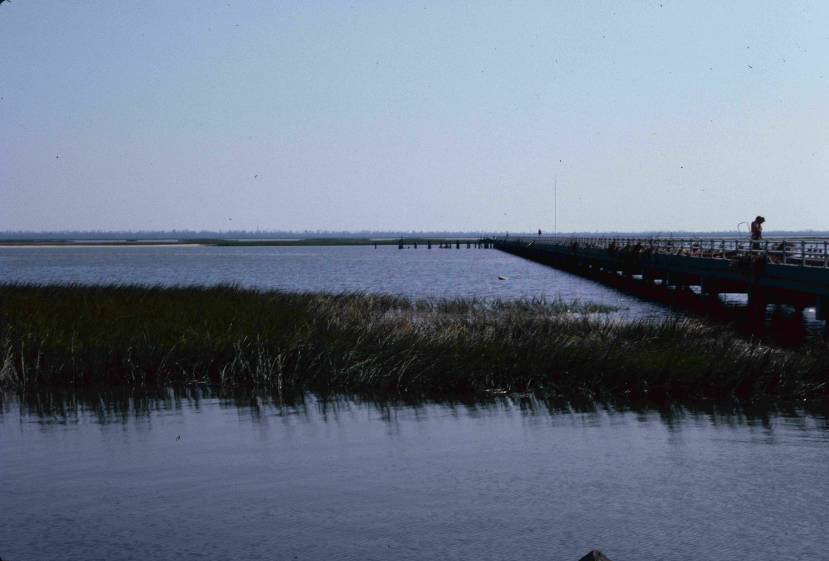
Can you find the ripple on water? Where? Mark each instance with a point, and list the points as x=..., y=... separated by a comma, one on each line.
x=181, y=474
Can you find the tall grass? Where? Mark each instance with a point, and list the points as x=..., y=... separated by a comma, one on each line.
x=86, y=336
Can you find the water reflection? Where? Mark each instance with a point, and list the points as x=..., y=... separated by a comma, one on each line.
x=189, y=473
x=125, y=406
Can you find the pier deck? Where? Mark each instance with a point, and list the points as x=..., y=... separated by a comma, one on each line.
x=773, y=271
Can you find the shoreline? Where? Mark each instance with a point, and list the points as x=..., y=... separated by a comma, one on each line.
x=96, y=245
x=221, y=242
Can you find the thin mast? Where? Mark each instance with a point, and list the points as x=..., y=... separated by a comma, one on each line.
x=555, y=206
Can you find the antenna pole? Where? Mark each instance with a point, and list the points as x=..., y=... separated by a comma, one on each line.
x=555, y=207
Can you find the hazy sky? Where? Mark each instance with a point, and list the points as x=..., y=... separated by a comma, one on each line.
x=657, y=115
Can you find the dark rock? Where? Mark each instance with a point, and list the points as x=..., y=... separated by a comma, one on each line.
x=594, y=555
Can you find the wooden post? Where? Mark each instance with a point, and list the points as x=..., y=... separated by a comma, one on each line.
x=757, y=302
x=822, y=308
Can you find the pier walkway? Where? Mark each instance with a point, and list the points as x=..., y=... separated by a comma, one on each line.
x=770, y=271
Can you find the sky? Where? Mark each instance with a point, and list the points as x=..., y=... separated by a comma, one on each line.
x=486, y=116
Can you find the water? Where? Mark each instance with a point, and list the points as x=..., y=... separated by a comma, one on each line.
x=512, y=478
x=409, y=272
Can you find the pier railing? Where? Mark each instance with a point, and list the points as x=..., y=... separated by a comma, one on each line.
x=796, y=252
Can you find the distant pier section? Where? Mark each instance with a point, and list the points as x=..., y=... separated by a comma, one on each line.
x=445, y=243
x=791, y=271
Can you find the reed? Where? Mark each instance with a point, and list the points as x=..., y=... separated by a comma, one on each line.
x=135, y=336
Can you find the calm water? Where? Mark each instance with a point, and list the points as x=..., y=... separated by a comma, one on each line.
x=409, y=272
x=514, y=478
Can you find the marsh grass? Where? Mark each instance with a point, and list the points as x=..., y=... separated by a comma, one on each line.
x=89, y=336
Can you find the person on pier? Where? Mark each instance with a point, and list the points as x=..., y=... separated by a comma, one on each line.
x=757, y=232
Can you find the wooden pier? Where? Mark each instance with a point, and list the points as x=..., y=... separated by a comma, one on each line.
x=788, y=271
x=445, y=243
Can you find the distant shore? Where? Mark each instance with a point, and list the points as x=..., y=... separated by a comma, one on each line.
x=51, y=245
x=83, y=238
x=87, y=337
x=230, y=242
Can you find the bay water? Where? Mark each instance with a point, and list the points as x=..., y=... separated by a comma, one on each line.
x=188, y=474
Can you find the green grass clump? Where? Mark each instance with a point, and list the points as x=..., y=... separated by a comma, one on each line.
x=88, y=336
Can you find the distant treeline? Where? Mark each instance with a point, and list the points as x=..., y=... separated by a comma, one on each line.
x=229, y=235
x=173, y=235
x=144, y=337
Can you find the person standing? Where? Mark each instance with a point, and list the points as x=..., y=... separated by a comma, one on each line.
x=757, y=232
